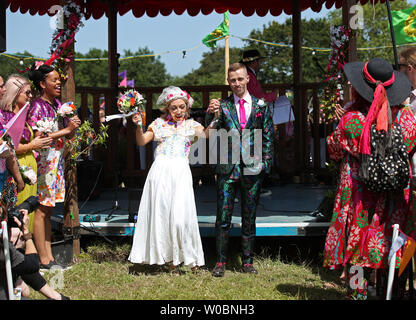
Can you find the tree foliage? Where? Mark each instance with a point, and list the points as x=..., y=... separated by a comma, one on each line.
x=92, y=73
x=212, y=68
x=146, y=71
x=376, y=29
x=8, y=66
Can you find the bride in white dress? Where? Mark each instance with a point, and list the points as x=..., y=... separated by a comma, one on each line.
x=167, y=228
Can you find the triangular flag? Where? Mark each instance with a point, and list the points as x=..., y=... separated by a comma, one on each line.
x=123, y=83
x=221, y=31
x=123, y=74
x=408, y=253
x=14, y=128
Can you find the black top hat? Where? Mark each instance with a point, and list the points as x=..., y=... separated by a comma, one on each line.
x=381, y=70
x=251, y=55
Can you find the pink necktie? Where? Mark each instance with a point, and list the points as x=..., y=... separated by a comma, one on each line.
x=242, y=114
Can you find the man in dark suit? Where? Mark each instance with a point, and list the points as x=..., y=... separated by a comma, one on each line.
x=253, y=60
x=249, y=119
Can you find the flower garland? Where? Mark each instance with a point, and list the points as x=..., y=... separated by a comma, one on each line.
x=334, y=79
x=61, y=50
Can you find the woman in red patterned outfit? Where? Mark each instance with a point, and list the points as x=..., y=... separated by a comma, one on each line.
x=360, y=231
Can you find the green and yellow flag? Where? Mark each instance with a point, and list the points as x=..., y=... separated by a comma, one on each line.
x=219, y=33
x=404, y=25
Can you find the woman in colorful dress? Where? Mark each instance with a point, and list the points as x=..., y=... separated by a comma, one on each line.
x=167, y=228
x=50, y=161
x=18, y=93
x=361, y=227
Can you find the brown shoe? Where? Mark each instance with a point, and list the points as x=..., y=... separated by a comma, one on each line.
x=174, y=270
x=248, y=268
x=219, y=269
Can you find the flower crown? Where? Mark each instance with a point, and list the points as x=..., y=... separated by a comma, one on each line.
x=173, y=93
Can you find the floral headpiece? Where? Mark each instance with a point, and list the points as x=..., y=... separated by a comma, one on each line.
x=172, y=93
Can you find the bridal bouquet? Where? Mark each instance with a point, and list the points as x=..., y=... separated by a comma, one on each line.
x=67, y=110
x=131, y=102
x=28, y=175
x=44, y=126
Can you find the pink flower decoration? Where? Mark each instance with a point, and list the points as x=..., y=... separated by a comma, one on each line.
x=38, y=64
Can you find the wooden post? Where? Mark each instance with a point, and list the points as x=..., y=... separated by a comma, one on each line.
x=2, y=25
x=71, y=212
x=227, y=57
x=297, y=79
x=111, y=100
x=352, y=48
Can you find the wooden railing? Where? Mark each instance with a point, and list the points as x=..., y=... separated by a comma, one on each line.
x=121, y=155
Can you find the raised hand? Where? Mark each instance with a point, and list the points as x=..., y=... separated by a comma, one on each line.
x=214, y=106
x=137, y=118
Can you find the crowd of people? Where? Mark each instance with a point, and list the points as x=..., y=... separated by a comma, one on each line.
x=361, y=228
x=43, y=153
x=166, y=231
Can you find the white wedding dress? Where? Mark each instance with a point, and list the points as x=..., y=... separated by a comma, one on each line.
x=167, y=226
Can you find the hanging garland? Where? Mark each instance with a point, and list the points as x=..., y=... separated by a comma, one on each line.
x=61, y=50
x=334, y=79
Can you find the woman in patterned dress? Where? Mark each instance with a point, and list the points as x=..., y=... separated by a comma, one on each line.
x=360, y=230
x=51, y=183
x=167, y=228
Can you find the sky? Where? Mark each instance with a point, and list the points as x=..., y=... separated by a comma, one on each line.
x=160, y=34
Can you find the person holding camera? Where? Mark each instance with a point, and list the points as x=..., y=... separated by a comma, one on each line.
x=24, y=265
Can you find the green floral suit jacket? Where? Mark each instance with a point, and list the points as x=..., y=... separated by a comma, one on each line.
x=253, y=155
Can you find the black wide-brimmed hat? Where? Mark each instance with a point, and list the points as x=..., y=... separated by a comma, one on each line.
x=381, y=70
x=251, y=55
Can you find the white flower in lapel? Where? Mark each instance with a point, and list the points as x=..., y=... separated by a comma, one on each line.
x=260, y=102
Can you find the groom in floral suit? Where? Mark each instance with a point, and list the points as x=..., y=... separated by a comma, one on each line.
x=248, y=120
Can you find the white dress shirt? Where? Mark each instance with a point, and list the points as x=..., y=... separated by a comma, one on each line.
x=247, y=105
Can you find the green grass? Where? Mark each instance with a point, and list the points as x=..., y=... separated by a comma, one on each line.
x=103, y=273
